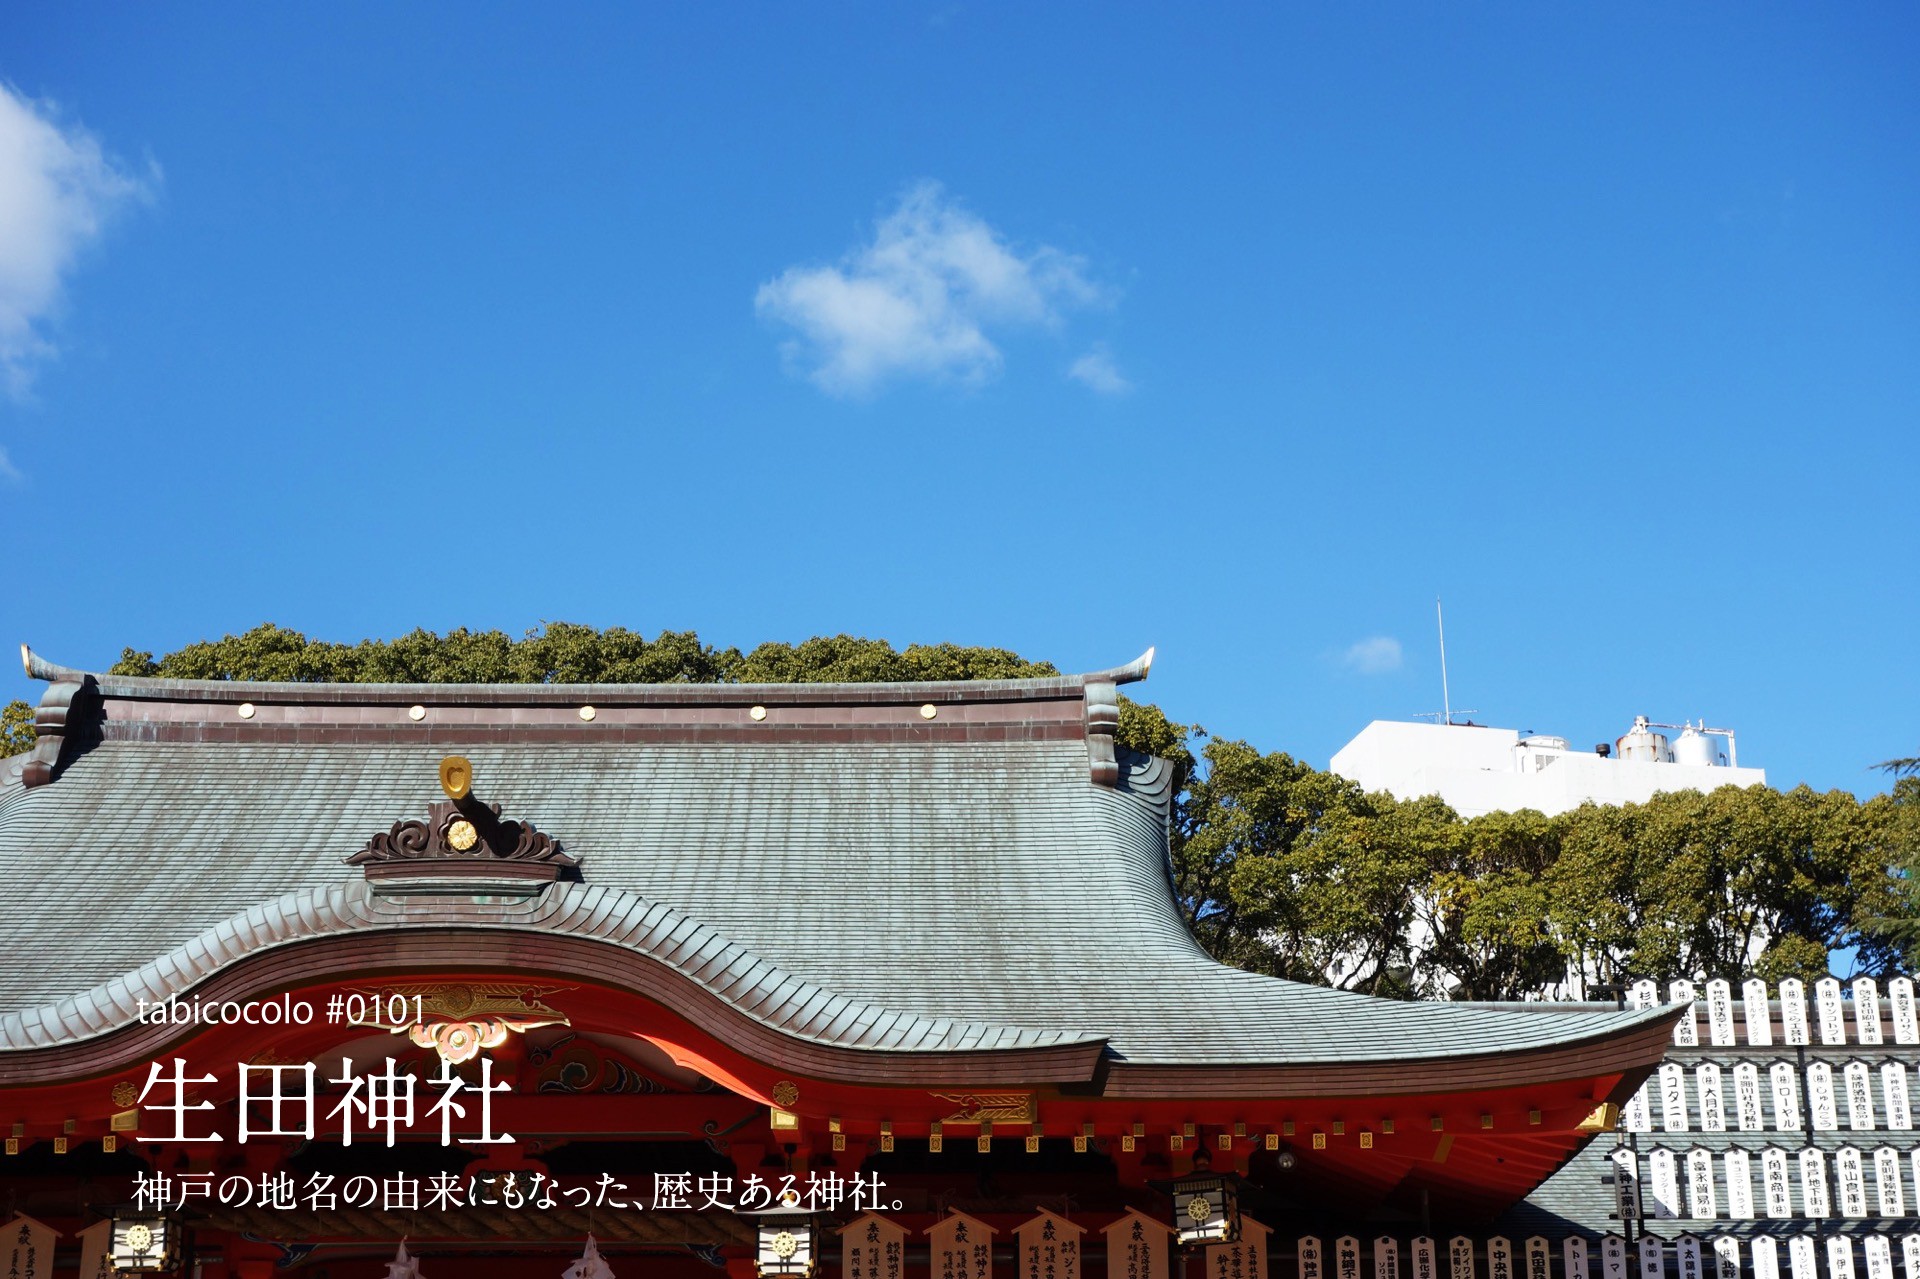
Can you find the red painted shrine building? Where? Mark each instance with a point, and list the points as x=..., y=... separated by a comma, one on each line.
x=663, y=946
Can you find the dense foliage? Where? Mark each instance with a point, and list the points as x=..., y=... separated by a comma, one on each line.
x=16, y=728
x=1284, y=869
x=1289, y=870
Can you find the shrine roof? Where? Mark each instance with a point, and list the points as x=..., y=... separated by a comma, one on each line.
x=843, y=866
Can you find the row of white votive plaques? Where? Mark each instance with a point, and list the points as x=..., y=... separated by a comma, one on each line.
x=1830, y=1008
x=1649, y=1257
x=1674, y=1185
x=1664, y=1104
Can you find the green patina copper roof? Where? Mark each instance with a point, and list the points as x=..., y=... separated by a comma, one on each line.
x=882, y=892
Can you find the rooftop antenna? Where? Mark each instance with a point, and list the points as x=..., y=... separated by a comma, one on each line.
x=1444, y=715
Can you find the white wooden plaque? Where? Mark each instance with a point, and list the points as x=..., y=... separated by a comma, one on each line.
x=1613, y=1257
x=1686, y=1250
x=1793, y=1011
x=1426, y=1264
x=1739, y=1185
x=1879, y=1257
x=1851, y=1175
x=1539, y=1265
x=1386, y=1258
x=1673, y=1097
x=1726, y=1257
x=1906, y=1019
x=1839, y=1257
x=1720, y=1013
x=1500, y=1258
x=1312, y=1261
x=1663, y=1183
x=1786, y=1096
x=1626, y=1186
x=1910, y=1255
x=1888, y=1192
x=1573, y=1258
x=1460, y=1262
x=1800, y=1257
x=1713, y=1111
x=1747, y=1109
x=1756, y=1012
x=1866, y=1011
x=1814, y=1201
x=1766, y=1258
x=1653, y=1257
x=1638, y=1116
x=1893, y=1091
x=1832, y=1009
x=1346, y=1257
x=1686, y=1032
x=1821, y=1103
x=1859, y=1084
x=1700, y=1197
x=1773, y=1183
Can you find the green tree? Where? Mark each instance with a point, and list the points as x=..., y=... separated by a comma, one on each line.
x=16, y=728
x=1486, y=911
x=1896, y=928
x=1736, y=882
x=1288, y=870
x=843, y=659
x=558, y=653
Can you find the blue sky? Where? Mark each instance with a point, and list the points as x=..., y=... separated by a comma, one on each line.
x=1244, y=332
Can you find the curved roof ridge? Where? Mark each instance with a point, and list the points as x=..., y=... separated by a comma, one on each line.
x=1558, y=1022
x=725, y=969
x=160, y=688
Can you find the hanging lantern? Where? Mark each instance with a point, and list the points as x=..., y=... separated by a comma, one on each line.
x=1206, y=1209
x=591, y=1264
x=403, y=1266
x=145, y=1244
x=786, y=1239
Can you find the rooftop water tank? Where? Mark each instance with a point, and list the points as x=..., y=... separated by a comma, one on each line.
x=1642, y=743
x=1696, y=748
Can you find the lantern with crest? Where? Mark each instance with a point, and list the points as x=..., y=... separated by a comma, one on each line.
x=1206, y=1207
x=786, y=1238
x=145, y=1244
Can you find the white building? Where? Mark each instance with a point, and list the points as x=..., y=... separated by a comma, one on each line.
x=1483, y=770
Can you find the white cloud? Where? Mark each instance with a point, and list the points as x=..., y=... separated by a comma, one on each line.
x=1375, y=655
x=1097, y=371
x=57, y=189
x=918, y=300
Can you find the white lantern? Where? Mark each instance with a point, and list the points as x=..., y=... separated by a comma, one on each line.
x=1206, y=1210
x=786, y=1240
x=145, y=1244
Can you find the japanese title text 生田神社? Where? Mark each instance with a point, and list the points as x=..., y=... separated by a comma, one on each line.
x=281, y=1101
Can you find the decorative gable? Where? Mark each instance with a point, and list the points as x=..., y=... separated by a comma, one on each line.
x=463, y=846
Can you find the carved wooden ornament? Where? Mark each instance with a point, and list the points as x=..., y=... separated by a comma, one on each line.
x=464, y=845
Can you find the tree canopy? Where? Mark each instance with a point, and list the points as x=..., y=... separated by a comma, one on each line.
x=1285, y=869
x=567, y=653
